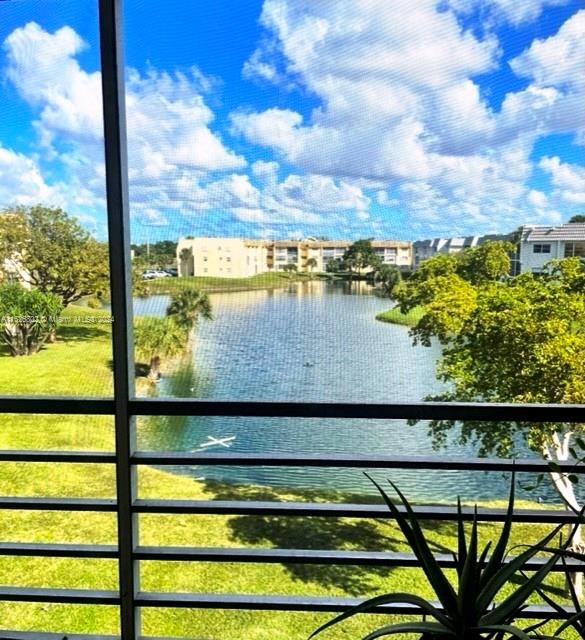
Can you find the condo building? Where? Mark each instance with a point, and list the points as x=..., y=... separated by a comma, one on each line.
x=539, y=244
x=239, y=258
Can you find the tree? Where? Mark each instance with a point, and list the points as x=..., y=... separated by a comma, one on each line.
x=159, y=254
x=389, y=277
x=185, y=256
x=290, y=269
x=489, y=261
x=158, y=338
x=514, y=340
x=335, y=265
x=187, y=306
x=580, y=217
x=311, y=264
x=360, y=255
x=27, y=318
x=59, y=256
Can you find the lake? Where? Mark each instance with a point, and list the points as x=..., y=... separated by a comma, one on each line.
x=314, y=341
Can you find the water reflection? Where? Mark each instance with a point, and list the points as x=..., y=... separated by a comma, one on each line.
x=312, y=341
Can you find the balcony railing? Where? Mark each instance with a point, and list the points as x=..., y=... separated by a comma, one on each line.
x=131, y=553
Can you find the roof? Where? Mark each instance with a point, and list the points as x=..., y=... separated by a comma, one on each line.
x=572, y=231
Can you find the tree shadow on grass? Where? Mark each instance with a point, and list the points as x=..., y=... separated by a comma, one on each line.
x=318, y=533
x=299, y=532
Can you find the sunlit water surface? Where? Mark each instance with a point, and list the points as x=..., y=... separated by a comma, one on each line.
x=311, y=342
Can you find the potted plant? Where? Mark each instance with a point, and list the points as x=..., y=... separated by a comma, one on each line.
x=469, y=610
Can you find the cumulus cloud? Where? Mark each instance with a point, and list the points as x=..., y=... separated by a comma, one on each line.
x=400, y=112
x=568, y=179
x=384, y=72
x=308, y=199
x=168, y=120
x=22, y=183
x=400, y=118
x=515, y=12
x=553, y=102
x=537, y=199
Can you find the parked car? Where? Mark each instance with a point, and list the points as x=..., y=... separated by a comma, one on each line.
x=151, y=274
x=174, y=273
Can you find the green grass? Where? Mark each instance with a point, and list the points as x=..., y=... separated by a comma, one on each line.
x=395, y=316
x=79, y=363
x=260, y=281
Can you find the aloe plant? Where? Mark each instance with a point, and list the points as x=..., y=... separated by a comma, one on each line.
x=468, y=611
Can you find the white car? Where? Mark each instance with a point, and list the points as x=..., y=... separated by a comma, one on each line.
x=151, y=274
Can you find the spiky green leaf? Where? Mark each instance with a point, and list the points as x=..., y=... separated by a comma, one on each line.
x=390, y=598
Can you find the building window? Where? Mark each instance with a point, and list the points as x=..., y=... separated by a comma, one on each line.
x=541, y=248
x=573, y=249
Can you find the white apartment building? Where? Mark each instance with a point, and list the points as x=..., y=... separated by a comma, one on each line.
x=240, y=258
x=540, y=243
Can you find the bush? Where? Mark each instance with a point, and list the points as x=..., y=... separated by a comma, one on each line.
x=27, y=318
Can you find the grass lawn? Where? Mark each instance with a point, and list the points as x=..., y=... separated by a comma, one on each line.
x=211, y=284
x=395, y=316
x=79, y=362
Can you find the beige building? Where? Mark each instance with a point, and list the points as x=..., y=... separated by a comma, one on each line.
x=240, y=258
x=221, y=257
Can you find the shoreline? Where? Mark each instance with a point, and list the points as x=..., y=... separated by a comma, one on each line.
x=395, y=316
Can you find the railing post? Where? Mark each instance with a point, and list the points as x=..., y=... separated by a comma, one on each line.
x=112, y=67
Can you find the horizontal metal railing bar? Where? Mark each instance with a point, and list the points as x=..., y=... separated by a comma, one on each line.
x=483, y=411
x=83, y=457
x=58, y=550
x=298, y=603
x=58, y=596
x=347, y=460
x=57, y=405
x=59, y=504
x=239, y=555
x=311, y=556
x=343, y=510
x=44, y=635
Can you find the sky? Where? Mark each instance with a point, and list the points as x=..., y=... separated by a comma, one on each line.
x=401, y=119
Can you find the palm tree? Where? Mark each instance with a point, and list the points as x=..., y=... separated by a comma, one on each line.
x=157, y=338
x=311, y=263
x=185, y=261
x=187, y=306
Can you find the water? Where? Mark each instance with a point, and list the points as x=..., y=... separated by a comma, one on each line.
x=312, y=342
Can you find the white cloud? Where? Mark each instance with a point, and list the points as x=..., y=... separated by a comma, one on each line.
x=309, y=199
x=399, y=111
x=568, y=179
x=515, y=12
x=22, y=183
x=169, y=123
x=537, y=199
x=553, y=102
x=383, y=71
x=558, y=60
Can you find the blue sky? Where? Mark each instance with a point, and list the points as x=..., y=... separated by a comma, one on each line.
x=286, y=118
